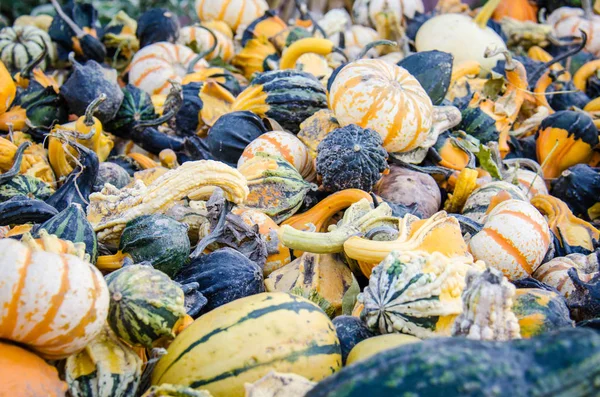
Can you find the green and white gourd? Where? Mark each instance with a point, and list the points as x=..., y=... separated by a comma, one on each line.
x=25, y=185
x=19, y=45
x=478, y=202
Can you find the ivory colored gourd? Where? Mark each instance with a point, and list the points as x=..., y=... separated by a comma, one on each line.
x=386, y=98
x=372, y=346
x=53, y=303
x=233, y=12
x=153, y=66
x=567, y=21
x=514, y=239
x=460, y=36
x=22, y=373
x=203, y=40
x=366, y=11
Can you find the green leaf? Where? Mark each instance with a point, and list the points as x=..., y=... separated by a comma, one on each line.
x=493, y=87
x=349, y=298
x=487, y=162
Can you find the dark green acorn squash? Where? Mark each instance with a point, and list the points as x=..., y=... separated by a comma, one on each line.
x=111, y=173
x=478, y=124
x=287, y=96
x=21, y=209
x=230, y=135
x=43, y=106
x=562, y=363
x=157, y=24
x=350, y=331
x=579, y=187
x=158, y=239
x=223, y=276
x=25, y=185
x=433, y=69
x=145, y=305
x=540, y=311
x=566, y=96
x=78, y=185
x=71, y=224
x=351, y=157
x=136, y=106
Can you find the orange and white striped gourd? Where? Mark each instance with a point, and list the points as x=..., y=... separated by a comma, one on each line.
x=385, y=97
x=153, y=66
x=204, y=41
x=53, y=303
x=233, y=12
x=514, y=239
x=555, y=272
x=286, y=145
x=567, y=21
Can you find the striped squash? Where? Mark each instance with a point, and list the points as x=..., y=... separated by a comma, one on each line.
x=540, y=311
x=25, y=185
x=200, y=40
x=478, y=202
x=530, y=182
x=54, y=303
x=567, y=21
x=385, y=97
x=556, y=272
x=286, y=145
x=20, y=45
x=233, y=12
x=107, y=367
x=153, y=66
x=242, y=341
x=145, y=304
x=514, y=239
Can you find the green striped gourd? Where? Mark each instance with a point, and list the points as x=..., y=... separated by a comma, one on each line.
x=479, y=201
x=25, y=185
x=107, y=367
x=19, y=45
x=242, y=341
x=71, y=224
x=145, y=304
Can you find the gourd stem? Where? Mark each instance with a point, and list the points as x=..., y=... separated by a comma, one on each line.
x=16, y=167
x=540, y=70
x=78, y=31
x=341, y=52
x=28, y=69
x=510, y=64
x=215, y=233
x=91, y=109
x=588, y=10
x=305, y=14
x=109, y=263
x=486, y=12
x=373, y=44
x=157, y=121
x=73, y=60
x=202, y=54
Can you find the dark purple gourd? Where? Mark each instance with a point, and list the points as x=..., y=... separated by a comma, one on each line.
x=187, y=121
x=157, y=24
x=350, y=331
x=88, y=82
x=111, y=173
x=21, y=209
x=351, y=157
x=579, y=187
x=223, y=276
x=232, y=132
x=80, y=182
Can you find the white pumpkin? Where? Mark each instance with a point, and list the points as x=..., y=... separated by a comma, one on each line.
x=153, y=66
x=53, y=303
x=514, y=239
x=204, y=41
x=365, y=11
x=385, y=97
x=462, y=37
x=567, y=21
x=19, y=45
x=233, y=12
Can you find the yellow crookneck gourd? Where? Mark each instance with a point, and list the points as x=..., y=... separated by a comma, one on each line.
x=465, y=184
x=35, y=161
x=305, y=46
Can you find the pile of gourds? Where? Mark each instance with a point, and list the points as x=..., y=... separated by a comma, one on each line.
x=323, y=206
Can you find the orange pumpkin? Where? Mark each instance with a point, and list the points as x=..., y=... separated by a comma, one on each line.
x=54, y=303
x=22, y=373
x=521, y=10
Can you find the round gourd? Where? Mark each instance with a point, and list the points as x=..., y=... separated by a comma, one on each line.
x=136, y=106
x=351, y=158
x=514, y=239
x=567, y=21
x=20, y=45
x=111, y=173
x=371, y=346
x=286, y=145
x=25, y=185
x=248, y=338
x=201, y=40
x=366, y=11
x=386, y=98
x=478, y=202
x=153, y=66
x=234, y=13
x=540, y=311
x=145, y=305
x=529, y=181
x=579, y=188
x=156, y=25
x=22, y=373
x=55, y=304
x=461, y=36
x=158, y=239
x=350, y=331
x=555, y=272
x=107, y=367
x=521, y=10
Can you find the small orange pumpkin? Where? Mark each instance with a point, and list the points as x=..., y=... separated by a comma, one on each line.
x=521, y=10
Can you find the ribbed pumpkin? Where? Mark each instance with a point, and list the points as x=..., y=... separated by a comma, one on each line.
x=367, y=11
x=234, y=12
x=540, y=311
x=20, y=45
x=385, y=97
x=286, y=145
x=478, y=202
x=556, y=271
x=514, y=239
x=145, y=304
x=107, y=367
x=276, y=188
x=242, y=341
x=201, y=40
x=521, y=10
x=54, y=303
x=567, y=21
x=153, y=66
x=22, y=373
